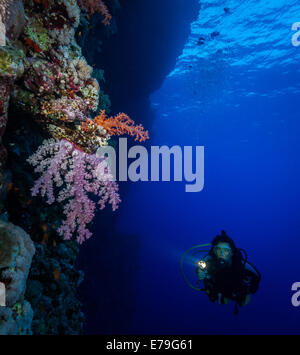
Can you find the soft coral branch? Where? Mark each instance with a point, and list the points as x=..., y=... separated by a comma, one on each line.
x=77, y=175
x=93, y=6
x=121, y=124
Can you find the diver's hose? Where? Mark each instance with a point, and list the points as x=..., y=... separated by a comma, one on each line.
x=246, y=256
x=181, y=265
x=248, y=262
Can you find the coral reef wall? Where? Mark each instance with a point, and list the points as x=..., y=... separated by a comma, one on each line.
x=49, y=97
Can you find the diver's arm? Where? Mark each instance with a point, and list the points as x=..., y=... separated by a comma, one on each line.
x=251, y=279
x=203, y=274
x=250, y=268
x=250, y=284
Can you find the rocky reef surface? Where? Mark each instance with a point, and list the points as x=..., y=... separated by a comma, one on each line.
x=16, y=252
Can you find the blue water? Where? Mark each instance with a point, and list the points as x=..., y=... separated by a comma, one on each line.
x=238, y=96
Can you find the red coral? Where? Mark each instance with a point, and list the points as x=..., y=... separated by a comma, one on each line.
x=121, y=124
x=30, y=43
x=43, y=3
x=73, y=87
x=41, y=79
x=53, y=57
x=93, y=6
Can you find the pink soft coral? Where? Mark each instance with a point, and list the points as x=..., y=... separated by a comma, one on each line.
x=93, y=6
x=77, y=174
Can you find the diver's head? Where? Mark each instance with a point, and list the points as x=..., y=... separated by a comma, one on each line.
x=223, y=252
x=223, y=249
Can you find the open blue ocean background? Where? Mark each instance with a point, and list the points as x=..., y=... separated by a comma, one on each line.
x=237, y=94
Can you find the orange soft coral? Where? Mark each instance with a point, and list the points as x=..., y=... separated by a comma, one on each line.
x=93, y=6
x=121, y=124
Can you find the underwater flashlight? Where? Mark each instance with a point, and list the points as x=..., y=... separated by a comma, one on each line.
x=201, y=248
x=202, y=264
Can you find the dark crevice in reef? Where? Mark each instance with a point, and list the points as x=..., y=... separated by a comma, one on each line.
x=136, y=59
x=151, y=34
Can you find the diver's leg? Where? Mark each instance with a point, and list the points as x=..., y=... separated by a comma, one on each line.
x=211, y=295
x=222, y=299
x=246, y=300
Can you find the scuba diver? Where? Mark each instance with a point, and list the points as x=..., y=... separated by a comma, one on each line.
x=226, y=274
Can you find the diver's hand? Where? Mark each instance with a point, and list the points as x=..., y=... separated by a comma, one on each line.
x=202, y=274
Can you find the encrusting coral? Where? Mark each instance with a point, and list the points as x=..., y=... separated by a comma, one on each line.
x=16, y=320
x=17, y=250
x=13, y=17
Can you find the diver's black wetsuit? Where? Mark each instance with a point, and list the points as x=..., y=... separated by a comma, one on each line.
x=233, y=282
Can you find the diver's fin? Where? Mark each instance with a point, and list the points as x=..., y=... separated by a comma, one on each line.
x=236, y=310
